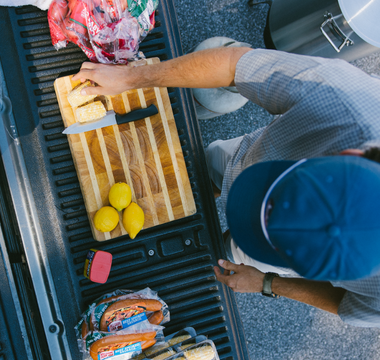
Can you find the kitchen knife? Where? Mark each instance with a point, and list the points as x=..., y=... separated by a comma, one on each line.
x=111, y=118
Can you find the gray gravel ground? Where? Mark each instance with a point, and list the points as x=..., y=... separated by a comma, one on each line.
x=279, y=328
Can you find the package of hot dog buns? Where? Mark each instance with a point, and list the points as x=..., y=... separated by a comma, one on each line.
x=202, y=350
x=176, y=346
x=169, y=343
x=108, y=31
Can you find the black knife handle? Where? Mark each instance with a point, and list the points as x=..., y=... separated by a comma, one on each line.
x=136, y=115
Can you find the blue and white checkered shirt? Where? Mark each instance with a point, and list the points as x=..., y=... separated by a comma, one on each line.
x=326, y=106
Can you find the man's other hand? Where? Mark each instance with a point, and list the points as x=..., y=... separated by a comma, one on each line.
x=243, y=279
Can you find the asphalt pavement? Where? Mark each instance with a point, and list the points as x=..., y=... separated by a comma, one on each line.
x=274, y=328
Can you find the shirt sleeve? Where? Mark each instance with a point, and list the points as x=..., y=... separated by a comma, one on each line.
x=370, y=144
x=277, y=80
x=360, y=305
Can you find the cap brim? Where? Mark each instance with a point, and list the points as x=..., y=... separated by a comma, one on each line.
x=244, y=206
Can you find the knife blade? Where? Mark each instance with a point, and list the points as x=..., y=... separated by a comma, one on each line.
x=111, y=118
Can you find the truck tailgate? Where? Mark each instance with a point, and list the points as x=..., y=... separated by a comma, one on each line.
x=175, y=259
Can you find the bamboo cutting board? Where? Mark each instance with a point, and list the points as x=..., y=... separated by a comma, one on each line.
x=146, y=154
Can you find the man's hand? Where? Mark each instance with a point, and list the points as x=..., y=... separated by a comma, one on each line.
x=110, y=78
x=244, y=279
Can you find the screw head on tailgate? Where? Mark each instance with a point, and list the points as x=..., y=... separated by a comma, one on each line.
x=53, y=328
x=151, y=252
x=188, y=242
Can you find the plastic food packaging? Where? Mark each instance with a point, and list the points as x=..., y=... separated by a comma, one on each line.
x=189, y=342
x=120, y=345
x=203, y=350
x=108, y=31
x=180, y=336
x=119, y=325
x=97, y=266
x=124, y=309
x=184, y=344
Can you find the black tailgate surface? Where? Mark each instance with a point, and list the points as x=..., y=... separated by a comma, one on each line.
x=175, y=259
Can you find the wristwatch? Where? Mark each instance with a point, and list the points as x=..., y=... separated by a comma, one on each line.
x=267, y=285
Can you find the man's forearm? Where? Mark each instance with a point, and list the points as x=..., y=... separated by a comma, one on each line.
x=249, y=279
x=320, y=294
x=203, y=69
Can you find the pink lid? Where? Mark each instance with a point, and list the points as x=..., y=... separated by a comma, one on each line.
x=100, y=267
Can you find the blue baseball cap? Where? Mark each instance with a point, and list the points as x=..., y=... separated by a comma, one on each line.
x=324, y=220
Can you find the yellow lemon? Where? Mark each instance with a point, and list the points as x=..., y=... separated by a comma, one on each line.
x=106, y=219
x=120, y=196
x=133, y=219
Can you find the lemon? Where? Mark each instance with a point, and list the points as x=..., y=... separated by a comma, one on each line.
x=133, y=219
x=120, y=196
x=106, y=219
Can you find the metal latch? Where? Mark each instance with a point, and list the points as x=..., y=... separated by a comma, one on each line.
x=330, y=19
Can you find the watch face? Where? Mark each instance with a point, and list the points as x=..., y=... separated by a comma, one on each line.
x=267, y=285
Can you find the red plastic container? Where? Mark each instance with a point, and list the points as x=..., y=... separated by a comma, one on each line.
x=97, y=266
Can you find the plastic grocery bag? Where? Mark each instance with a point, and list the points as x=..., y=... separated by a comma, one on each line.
x=108, y=31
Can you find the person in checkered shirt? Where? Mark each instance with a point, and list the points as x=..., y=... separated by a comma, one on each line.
x=324, y=108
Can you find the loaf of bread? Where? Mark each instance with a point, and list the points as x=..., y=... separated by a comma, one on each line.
x=90, y=112
x=75, y=99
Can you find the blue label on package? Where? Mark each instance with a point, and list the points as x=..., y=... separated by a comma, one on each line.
x=124, y=353
x=118, y=325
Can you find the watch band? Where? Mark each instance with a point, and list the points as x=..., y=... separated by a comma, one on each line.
x=267, y=285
